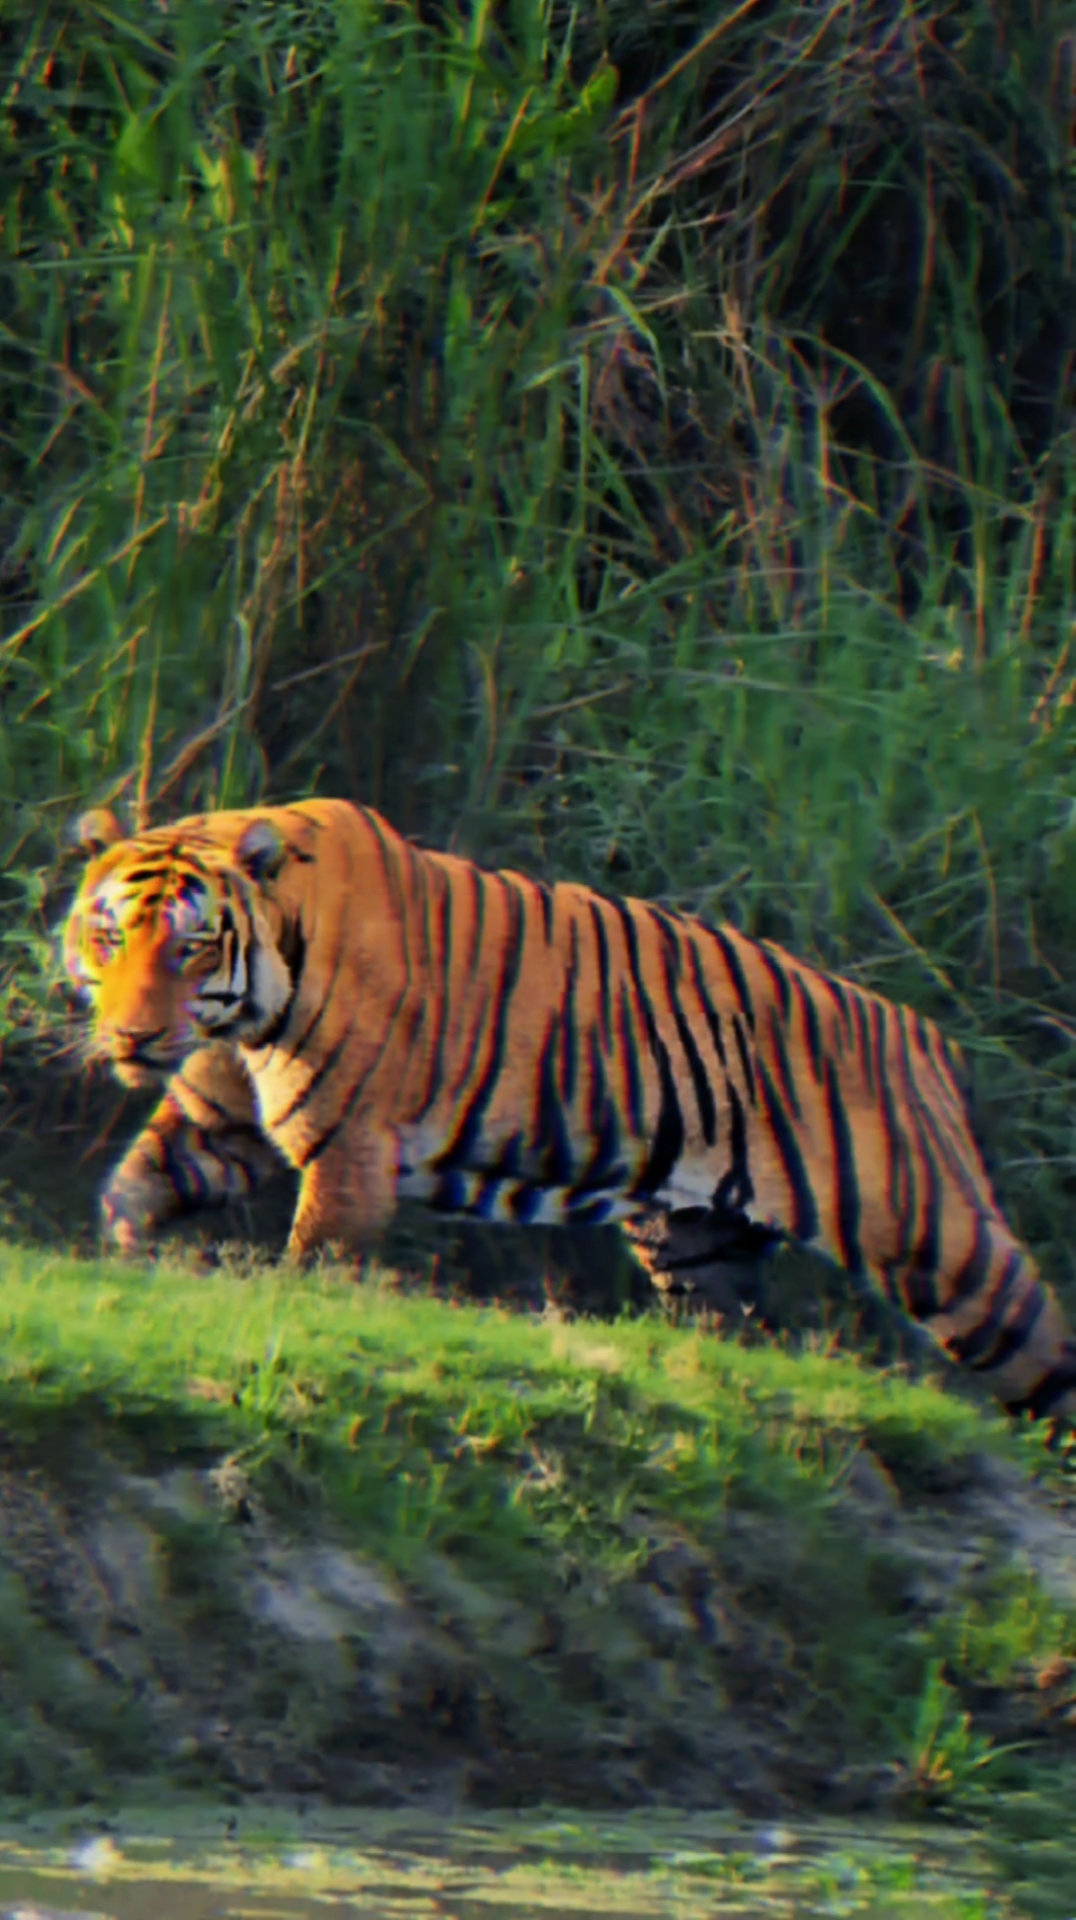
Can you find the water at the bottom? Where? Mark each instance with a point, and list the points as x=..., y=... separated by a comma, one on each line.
x=650, y=1866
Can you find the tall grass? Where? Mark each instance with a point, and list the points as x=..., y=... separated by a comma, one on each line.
x=632, y=441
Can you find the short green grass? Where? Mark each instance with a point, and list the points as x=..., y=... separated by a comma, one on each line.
x=419, y=1409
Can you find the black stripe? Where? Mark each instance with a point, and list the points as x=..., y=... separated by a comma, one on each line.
x=941, y=1137
x=355, y=1091
x=945, y=1145
x=859, y=1006
x=629, y=1055
x=888, y=1113
x=811, y=1025
x=479, y=883
x=589, y=1213
x=236, y=952
x=804, y=1225
x=212, y=1146
x=604, y=989
x=845, y=1177
x=555, y=1157
x=462, y=1077
x=1012, y=1339
x=461, y=1148
x=784, y=1067
x=642, y=998
x=840, y=994
x=315, y=1080
x=179, y=1079
x=769, y=959
x=449, y=1194
x=710, y=1013
x=668, y=1142
x=604, y=1168
x=389, y=865
x=509, y=1162
x=959, y=1071
x=735, y=971
x=226, y=997
x=250, y=1171
x=921, y=1272
x=968, y=1280
x=524, y=1203
x=545, y=901
x=481, y=1204
x=598, y=1090
x=293, y=953
x=947, y=1103
x=667, y=922
x=976, y=1347
x=138, y=876
x=299, y=1045
x=184, y=1174
x=147, y=903
x=425, y=873
x=444, y=938
x=1058, y=1381
x=952, y=1096
x=569, y=1030
x=747, y=1065
x=704, y=1097
x=735, y=1189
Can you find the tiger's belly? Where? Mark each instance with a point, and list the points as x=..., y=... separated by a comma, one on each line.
x=488, y=1192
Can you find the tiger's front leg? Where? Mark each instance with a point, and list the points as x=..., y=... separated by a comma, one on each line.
x=201, y=1147
x=347, y=1194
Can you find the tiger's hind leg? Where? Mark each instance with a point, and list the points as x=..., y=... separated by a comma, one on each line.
x=201, y=1147
x=704, y=1259
x=995, y=1315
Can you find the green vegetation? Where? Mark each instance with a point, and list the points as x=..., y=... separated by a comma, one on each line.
x=673, y=491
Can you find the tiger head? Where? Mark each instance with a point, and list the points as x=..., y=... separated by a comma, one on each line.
x=175, y=938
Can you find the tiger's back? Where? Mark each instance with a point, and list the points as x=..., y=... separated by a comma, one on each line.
x=401, y=1023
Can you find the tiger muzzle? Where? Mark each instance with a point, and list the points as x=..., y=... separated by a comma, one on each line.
x=137, y=1056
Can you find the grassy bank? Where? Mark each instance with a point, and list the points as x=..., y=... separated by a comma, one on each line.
x=589, y=1561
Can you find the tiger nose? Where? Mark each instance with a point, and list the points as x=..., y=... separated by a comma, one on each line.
x=133, y=1039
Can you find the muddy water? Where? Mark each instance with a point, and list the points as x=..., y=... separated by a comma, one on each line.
x=649, y=1866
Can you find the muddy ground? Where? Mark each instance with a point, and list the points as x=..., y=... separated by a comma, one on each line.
x=229, y=1647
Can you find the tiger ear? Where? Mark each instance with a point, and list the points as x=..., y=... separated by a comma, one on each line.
x=92, y=832
x=261, y=851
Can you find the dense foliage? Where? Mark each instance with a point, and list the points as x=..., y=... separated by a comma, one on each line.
x=633, y=439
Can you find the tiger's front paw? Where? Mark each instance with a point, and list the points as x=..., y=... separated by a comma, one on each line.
x=127, y=1228
x=123, y=1237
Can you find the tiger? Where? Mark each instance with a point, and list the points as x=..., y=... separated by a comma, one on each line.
x=317, y=991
